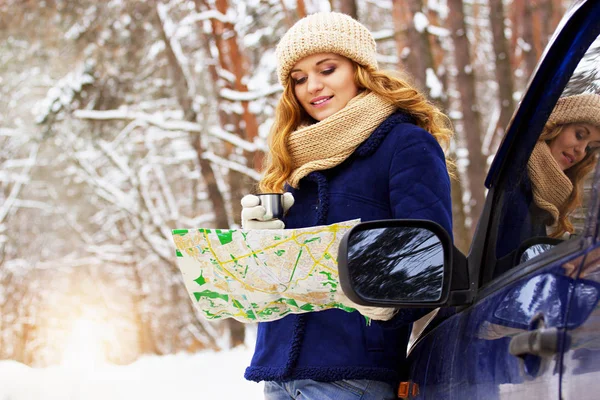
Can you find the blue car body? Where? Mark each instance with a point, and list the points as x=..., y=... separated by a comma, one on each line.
x=465, y=353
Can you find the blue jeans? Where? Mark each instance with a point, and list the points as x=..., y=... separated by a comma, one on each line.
x=307, y=389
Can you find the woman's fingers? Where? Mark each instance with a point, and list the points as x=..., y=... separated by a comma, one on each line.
x=250, y=200
x=271, y=224
x=249, y=213
x=288, y=201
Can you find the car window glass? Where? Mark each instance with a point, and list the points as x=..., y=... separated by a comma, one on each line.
x=547, y=200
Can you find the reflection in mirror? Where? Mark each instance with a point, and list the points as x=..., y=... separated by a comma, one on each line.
x=398, y=263
x=534, y=251
x=548, y=197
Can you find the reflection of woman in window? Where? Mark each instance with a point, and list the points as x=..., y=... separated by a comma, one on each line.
x=571, y=137
x=565, y=153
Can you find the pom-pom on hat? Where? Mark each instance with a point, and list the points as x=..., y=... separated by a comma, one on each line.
x=578, y=108
x=325, y=32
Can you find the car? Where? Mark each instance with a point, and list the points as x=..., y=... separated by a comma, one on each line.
x=521, y=323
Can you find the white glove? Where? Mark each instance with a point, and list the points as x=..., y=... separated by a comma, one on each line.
x=375, y=313
x=253, y=213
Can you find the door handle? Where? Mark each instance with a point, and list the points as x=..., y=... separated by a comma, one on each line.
x=540, y=342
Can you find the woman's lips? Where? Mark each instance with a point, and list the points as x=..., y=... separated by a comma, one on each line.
x=321, y=101
x=568, y=158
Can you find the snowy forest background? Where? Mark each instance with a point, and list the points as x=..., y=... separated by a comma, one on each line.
x=121, y=120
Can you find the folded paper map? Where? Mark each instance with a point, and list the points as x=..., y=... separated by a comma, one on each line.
x=262, y=275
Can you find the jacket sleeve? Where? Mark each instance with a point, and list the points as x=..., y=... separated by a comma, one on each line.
x=419, y=184
x=419, y=189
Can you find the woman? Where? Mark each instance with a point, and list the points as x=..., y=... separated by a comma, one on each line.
x=552, y=189
x=348, y=141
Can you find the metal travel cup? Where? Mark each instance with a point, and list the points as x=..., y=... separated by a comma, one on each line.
x=273, y=203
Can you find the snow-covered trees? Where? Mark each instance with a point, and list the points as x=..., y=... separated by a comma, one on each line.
x=122, y=120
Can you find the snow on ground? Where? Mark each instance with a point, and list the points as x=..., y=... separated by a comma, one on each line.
x=203, y=376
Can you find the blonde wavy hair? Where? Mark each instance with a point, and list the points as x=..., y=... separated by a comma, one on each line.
x=576, y=175
x=289, y=115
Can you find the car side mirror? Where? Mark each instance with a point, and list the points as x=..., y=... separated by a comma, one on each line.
x=534, y=247
x=400, y=263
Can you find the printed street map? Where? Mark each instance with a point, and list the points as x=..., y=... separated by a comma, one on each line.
x=262, y=275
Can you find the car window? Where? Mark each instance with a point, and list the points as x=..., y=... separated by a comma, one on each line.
x=546, y=201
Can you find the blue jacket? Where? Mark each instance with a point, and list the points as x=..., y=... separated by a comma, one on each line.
x=398, y=172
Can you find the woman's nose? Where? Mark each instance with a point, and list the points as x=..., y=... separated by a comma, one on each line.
x=314, y=85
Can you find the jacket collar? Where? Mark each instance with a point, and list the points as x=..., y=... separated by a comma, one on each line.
x=369, y=146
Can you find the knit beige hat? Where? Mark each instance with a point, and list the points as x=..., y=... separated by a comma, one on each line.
x=578, y=108
x=325, y=32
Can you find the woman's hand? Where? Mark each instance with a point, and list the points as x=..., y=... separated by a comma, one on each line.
x=253, y=213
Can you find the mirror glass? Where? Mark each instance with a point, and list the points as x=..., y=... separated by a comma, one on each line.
x=397, y=263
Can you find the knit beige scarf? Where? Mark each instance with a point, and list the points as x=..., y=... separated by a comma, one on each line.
x=551, y=187
x=329, y=142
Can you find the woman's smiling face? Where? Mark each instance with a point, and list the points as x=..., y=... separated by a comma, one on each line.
x=573, y=142
x=323, y=84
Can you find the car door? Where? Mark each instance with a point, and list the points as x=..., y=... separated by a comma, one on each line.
x=581, y=359
x=483, y=350
x=580, y=377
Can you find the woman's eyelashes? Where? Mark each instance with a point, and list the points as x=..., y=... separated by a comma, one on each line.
x=300, y=80
x=592, y=147
x=581, y=134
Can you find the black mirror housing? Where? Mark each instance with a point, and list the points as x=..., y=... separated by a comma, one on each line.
x=402, y=263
